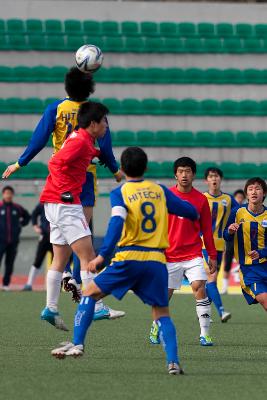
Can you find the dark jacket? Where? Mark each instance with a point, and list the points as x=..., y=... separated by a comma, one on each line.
x=12, y=218
x=38, y=218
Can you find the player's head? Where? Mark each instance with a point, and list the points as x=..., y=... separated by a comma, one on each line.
x=78, y=85
x=255, y=190
x=92, y=117
x=134, y=162
x=184, y=169
x=8, y=193
x=213, y=177
x=239, y=196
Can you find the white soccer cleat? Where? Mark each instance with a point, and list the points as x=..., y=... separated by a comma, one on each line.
x=68, y=349
x=113, y=314
x=225, y=316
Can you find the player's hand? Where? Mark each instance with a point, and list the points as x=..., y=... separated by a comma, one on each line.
x=232, y=229
x=10, y=170
x=37, y=229
x=212, y=266
x=254, y=254
x=93, y=264
x=118, y=176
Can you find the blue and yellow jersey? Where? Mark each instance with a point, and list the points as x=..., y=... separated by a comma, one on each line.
x=220, y=208
x=59, y=120
x=139, y=220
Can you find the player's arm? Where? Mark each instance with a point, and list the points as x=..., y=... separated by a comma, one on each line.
x=107, y=157
x=179, y=207
x=38, y=140
x=35, y=216
x=231, y=226
x=24, y=216
x=114, y=230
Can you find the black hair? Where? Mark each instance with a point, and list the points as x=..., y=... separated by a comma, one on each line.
x=239, y=191
x=8, y=188
x=184, y=162
x=215, y=170
x=91, y=111
x=79, y=85
x=134, y=162
x=258, y=180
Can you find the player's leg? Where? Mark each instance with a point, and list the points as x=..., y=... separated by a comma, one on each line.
x=262, y=299
x=11, y=252
x=228, y=258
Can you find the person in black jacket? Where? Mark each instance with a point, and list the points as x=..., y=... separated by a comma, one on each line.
x=12, y=218
x=42, y=227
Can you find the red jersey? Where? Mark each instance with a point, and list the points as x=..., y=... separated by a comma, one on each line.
x=184, y=235
x=67, y=168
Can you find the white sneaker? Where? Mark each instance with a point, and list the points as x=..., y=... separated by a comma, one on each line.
x=113, y=314
x=68, y=349
x=6, y=288
x=225, y=316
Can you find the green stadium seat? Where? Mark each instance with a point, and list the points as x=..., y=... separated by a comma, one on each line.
x=163, y=138
x=12, y=105
x=96, y=40
x=114, y=44
x=134, y=45
x=201, y=168
x=249, y=107
x=148, y=28
x=212, y=45
x=57, y=43
x=233, y=45
x=231, y=170
x=3, y=166
x=153, y=45
x=136, y=74
x=206, y=29
x=22, y=73
x=170, y=107
x=130, y=28
x=53, y=74
x=246, y=139
x=110, y=28
x=53, y=27
x=36, y=170
x=4, y=43
x=214, y=76
x=168, y=29
x=131, y=106
x=166, y=169
x=209, y=107
x=189, y=107
x=73, y=27
x=2, y=27
x=103, y=173
x=233, y=76
x=32, y=105
x=262, y=170
x=176, y=75
x=92, y=28
x=255, y=76
x=23, y=137
x=205, y=139
x=18, y=42
x=6, y=74
x=15, y=26
x=114, y=105
x=153, y=170
x=225, y=30
x=261, y=30
x=186, y=29
x=146, y=138
x=3, y=106
x=261, y=138
x=195, y=75
x=253, y=46
x=225, y=139
x=154, y=75
x=125, y=138
x=7, y=138
x=249, y=170
x=173, y=45
x=37, y=42
x=193, y=45
x=244, y=30
x=34, y=26
x=184, y=139
x=72, y=42
x=151, y=106
x=114, y=74
x=229, y=107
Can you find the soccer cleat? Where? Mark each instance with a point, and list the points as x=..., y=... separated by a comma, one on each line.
x=65, y=279
x=154, y=334
x=6, y=288
x=225, y=316
x=27, y=288
x=53, y=318
x=175, y=369
x=107, y=313
x=68, y=349
x=205, y=341
x=75, y=288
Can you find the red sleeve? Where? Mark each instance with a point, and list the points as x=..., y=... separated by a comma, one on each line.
x=206, y=229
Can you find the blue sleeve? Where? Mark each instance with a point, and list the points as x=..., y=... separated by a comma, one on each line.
x=234, y=203
x=40, y=135
x=179, y=207
x=115, y=225
x=227, y=237
x=107, y=156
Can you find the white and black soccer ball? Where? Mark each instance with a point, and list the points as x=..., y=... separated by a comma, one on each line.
x=89, y=58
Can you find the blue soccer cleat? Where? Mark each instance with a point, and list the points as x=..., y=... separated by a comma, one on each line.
x=53, y=318
x=154, y=334
x=205, y=341
x=107, y=313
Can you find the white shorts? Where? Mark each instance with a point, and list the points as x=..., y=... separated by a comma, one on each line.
x=67, y=223
x=193, y=270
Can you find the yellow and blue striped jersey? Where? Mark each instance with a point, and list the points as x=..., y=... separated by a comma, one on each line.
x=220, y=208
x=251, y=235
x=139, y=220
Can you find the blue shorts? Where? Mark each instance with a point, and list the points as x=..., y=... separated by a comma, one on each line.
x=253, y=281
x=87, y=196
x=219, y=257
x=148, y=280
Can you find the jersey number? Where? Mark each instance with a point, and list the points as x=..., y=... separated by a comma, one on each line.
x=148, y=223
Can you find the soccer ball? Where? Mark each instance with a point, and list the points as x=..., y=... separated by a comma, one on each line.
x=89, y=58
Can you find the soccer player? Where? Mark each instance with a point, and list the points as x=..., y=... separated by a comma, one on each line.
x=240, y=197
x=139, y=221
x=221, y=205
x=184, y=254
x=247, y=226
x=59, y=120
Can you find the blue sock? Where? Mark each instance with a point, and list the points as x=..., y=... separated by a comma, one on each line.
x=76, y=273
x=68, y=268
x=83, y=319
x=167, y=334
x=214, y=295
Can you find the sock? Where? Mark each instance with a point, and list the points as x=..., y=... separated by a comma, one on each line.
x=86, y=278
x=53, y=286
x=168, y=339
x=214, y=296
x=68, y=268
x=225, y=285
x=32, y=274
x=203, y=309
x=76, y=269
x=83, y=319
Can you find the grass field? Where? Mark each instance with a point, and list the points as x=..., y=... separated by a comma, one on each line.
x=119, y=362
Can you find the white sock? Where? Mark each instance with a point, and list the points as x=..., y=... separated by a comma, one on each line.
x=53, y=286
x=32, y=274
x=203, y=309
x=86, y=278
x=225, y=284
